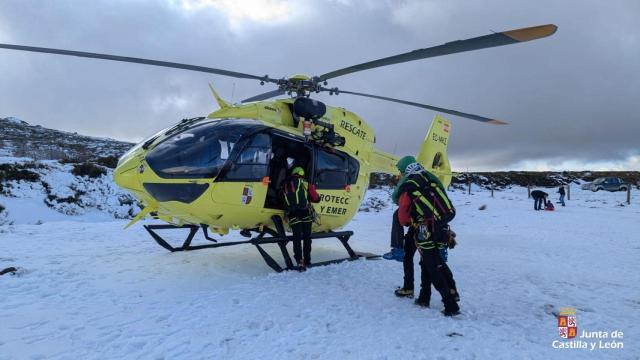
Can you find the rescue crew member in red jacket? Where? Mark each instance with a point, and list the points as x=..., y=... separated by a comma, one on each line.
x=418, y=208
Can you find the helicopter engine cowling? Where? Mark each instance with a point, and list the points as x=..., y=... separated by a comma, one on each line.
x=309, y=108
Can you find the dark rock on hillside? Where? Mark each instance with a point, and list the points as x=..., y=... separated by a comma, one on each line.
x=506, y=179
x=20, y=139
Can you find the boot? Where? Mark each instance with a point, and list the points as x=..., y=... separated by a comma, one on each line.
x=389, y=255
x=398, y=254
x=301, y=265
x=402, y=292
x=450, y=312
x=395, y=254
x=451, y=308
x=423, y=299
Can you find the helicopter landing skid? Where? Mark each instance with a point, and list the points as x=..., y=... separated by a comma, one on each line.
x=274, y=237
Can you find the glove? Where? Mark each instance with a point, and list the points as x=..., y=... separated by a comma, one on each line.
x=451, y=239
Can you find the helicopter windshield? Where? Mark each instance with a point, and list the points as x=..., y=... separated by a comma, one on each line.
x=199, y=151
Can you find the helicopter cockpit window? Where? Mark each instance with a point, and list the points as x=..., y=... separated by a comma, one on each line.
x=252, y=164
x=199, y=151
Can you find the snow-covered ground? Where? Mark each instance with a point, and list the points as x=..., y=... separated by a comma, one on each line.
x=94, y=291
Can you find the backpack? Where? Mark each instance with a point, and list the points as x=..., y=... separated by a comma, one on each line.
x=430, y=202
x=296, y=195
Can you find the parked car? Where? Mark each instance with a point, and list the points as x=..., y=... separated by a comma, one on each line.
x=609, y=184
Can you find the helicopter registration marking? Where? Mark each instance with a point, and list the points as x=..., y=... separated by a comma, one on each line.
x=440, y=139
x=353, y=129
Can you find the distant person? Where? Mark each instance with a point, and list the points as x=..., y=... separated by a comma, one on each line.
x=561, y=192
x=539, y=199
x=298, y=196
x=549, y=206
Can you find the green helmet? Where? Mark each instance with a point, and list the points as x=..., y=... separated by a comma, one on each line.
x=297, y=171
x=404, y=162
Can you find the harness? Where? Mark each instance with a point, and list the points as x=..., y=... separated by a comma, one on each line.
x=430, y=212
x=429, y=201
x=296, y=196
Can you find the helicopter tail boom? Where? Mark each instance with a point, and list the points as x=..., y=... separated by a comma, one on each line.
x=432, y=155
x=383, y=162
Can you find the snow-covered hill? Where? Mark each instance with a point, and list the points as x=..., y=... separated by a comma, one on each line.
x=47, y=175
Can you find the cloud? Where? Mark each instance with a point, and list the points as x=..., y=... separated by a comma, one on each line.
x=267, y=12
x=631, y=163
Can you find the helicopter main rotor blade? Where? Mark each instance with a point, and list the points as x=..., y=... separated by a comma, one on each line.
x=263, y=96
x=481, y=42
x=138, y=61
x=423, y=106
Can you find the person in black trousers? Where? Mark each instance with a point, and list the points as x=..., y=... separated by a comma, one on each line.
x=561, y=192
x=298, y=196
x=539, y=199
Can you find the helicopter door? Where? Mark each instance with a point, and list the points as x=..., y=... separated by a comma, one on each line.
x=287, y=153
x=242, y=181
x=334, y=173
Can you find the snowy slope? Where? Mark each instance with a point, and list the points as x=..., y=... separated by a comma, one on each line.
x=95, y=291
x=57, y=194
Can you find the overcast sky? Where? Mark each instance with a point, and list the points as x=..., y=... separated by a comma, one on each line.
x=571, y=99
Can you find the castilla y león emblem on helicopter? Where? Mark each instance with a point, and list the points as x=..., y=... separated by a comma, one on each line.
x=247, y=195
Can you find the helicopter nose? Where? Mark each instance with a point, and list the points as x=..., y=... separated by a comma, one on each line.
x=126, y=175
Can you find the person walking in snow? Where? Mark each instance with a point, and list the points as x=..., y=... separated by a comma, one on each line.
x=398, y=236
x=298, y=196
x=426, y=209
x=561, y=192
x=539, y=199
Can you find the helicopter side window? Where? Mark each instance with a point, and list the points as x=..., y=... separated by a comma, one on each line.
x=252, y=164
x=354, y=169
x=331, y=170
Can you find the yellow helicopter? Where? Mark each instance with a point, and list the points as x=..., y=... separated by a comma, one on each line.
x=224, y=171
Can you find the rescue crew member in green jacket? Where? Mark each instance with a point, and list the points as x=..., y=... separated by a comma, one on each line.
x=425, y=207
x=298, y=196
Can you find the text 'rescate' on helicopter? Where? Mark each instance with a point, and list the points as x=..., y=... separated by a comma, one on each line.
x=224, y=171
